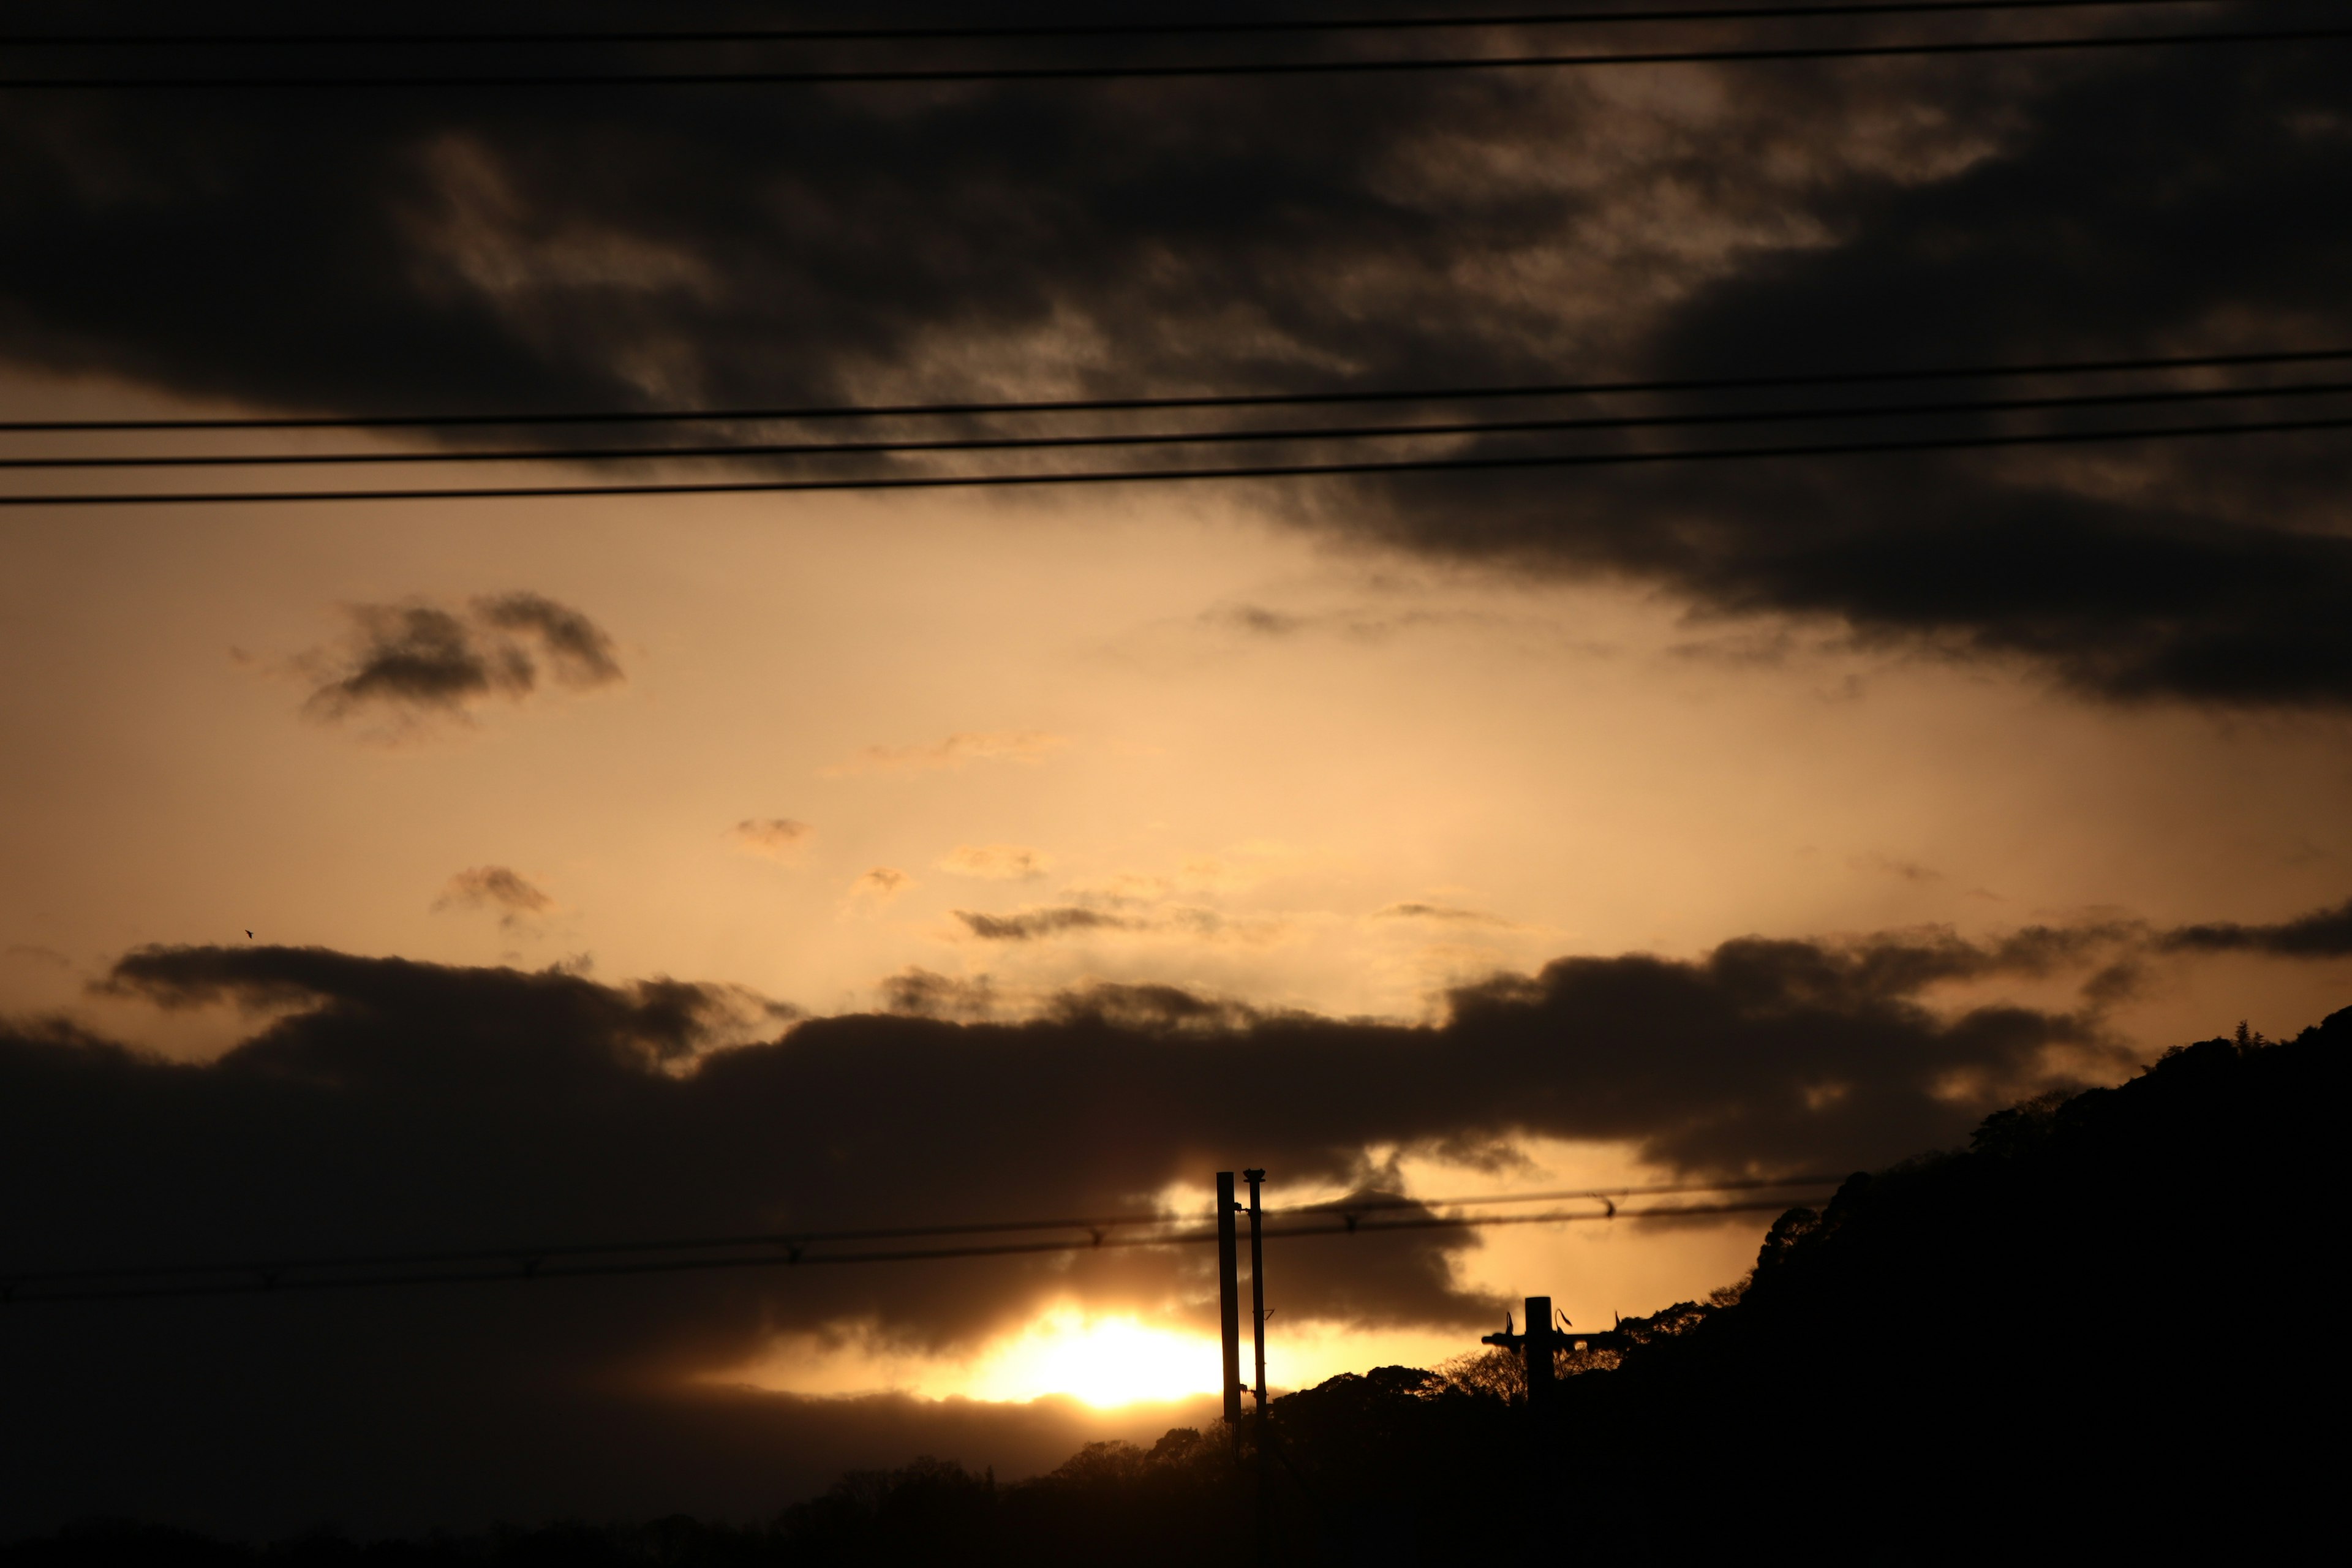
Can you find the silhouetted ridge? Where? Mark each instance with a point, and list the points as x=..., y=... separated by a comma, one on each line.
x=2100, y=1317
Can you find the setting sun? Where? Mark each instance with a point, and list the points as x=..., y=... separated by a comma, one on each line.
x=1103, y=1361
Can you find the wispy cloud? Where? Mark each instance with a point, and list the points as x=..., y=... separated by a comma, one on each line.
x=1029, y=746
x=776, y=837
x=1362, y=623
x=517, y=899
x=1886, y=864
x=1443, y=914
x=876, y=888
x=996, y=862
x=1247, y=864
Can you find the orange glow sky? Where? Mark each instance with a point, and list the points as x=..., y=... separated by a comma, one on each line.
x=1299, y=776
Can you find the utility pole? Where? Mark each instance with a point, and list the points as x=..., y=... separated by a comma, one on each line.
x=1257, y=1314
x=1543, y=1378
x=1537, y=1347
x=1229, y=1306
x=1534, y=1348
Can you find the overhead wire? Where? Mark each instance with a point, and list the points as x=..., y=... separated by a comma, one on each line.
x=1355, y=66
x=1353, y=1203
x=908, y=446
x=1335, y=395
x=807, y=1237
x=1063, y=478
x=1019, y=31
x=522, y=1264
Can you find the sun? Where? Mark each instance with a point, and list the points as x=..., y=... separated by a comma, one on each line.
x=1100, y=1360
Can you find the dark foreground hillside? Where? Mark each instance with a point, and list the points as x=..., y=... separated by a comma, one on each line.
x=2106, y=1325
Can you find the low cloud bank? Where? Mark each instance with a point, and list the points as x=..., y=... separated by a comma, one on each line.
x=382, y=1104
x=2323, y=933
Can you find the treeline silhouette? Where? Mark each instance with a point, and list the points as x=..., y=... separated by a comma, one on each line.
x=2106, y=1325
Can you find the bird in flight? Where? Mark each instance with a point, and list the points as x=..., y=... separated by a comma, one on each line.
x=248, y=935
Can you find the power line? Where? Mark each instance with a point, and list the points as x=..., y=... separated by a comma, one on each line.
x=1186, y=437
x=1072, y=30
x=1350, y=66
x=1366, y=1204
x=805, y=1239
x=248, y=1279
x=779, y=414
x=1160, y=476
x=786, y=1241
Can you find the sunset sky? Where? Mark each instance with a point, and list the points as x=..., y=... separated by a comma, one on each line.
x=391, y=874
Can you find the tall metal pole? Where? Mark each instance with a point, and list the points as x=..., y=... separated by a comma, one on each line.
x=1258, y=1281
x=1257, y=1322
x=1229, y=1305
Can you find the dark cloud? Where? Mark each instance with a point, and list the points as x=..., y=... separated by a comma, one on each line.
x=561, y=251
x=576, y=649
x=374, y=1005
x=1046, y=922
x=2323, y=933
x=418, y=658
x=1110, y=1094
x=1152, y=1007
x=1029, y=924
x=421, y=657
x=918, y=993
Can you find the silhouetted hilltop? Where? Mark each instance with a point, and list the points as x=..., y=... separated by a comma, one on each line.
x=2103, y=1317
x=2105, y=1322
